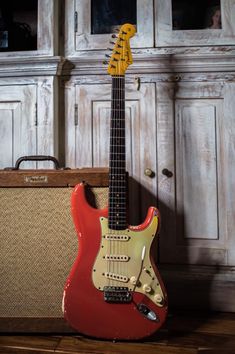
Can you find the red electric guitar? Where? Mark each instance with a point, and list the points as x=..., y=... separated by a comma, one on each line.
x=114, y=290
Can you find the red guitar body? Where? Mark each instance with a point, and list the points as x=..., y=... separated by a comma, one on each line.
x=83, y=304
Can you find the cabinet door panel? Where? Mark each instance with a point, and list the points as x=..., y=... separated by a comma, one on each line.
x=191, y=135
x=17, y=123
x=88, y=137
x=197, y=160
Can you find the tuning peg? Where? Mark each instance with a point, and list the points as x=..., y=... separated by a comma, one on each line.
x=107, y=56
x=114, y=35
x=123, y=32
x=105, y=62
x=112, y=42
x=116, y=52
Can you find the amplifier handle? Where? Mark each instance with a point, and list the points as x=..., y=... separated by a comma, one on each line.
x=34, y=158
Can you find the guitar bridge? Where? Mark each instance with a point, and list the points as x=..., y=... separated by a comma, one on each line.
x=117, y=294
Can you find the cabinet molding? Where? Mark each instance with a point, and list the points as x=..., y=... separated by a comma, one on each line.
x=153, y=62
x=28, y=66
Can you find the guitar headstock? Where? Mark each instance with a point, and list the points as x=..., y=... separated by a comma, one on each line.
x=121, y=56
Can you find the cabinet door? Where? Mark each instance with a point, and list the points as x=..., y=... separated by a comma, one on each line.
x=29, y=27
x=166, y=35
x=80, y=36
x=88, y=137
x=17, y=123
x=192, y=132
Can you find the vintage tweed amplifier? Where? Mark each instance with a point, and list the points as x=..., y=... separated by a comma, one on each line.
x=38, y=243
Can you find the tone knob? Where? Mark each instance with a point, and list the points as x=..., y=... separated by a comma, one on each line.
x=147, y=288
x=133, y=280
x=158, y=298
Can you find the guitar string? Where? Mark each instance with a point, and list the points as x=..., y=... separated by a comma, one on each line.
x=117, y=214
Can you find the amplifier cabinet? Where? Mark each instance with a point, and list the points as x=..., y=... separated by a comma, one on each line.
x=39, y=243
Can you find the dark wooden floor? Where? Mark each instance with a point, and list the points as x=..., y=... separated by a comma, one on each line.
x=183, y=333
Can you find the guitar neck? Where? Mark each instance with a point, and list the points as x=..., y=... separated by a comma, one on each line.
x=117, y=159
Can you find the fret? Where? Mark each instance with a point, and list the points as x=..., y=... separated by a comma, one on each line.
x=119, y=145
x=119, y=153
x=118, y=109
x=113, y=181
x=118, y=169
x=121, y=196
x=120, y=226
x=115, y=187
x=120, y=212
x=119, y=219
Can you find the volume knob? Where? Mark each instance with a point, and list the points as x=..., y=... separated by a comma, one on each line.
x=158, y=298
x=147, y=288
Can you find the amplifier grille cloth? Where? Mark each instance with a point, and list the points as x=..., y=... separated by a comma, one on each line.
x=38, y=246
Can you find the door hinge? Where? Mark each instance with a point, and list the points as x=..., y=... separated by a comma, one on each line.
x=36, y=115
x=75, y=21
x=76, y=114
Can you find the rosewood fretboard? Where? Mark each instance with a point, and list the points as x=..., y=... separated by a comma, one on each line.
x=117, y=158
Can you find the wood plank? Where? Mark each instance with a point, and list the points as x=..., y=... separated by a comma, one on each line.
x=185, y=332
x=37, y=344
x=216, y=351
x=81, y=345
x=217, y=323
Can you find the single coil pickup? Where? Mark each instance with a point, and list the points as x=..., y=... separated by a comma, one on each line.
x=117, y=277
x=115, y=294
x=110, y=237
x=116, y=258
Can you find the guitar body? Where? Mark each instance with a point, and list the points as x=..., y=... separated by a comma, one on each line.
x=139, y=307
